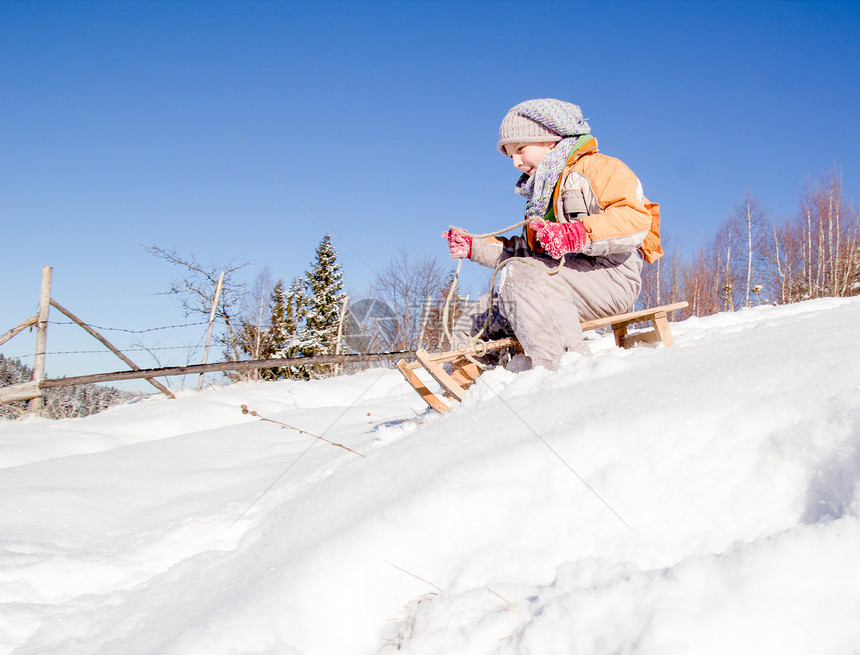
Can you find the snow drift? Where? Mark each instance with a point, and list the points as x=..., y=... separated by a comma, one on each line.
x=696, y=499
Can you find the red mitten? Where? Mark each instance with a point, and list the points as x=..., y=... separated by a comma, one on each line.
x=459, y=244
x=558, y=239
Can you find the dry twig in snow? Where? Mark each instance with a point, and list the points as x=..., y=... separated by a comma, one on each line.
x=284, y=426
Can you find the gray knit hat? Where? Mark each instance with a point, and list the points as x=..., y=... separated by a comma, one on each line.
x=541, y=121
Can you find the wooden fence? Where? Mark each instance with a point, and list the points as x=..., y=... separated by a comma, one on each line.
x=32, y=391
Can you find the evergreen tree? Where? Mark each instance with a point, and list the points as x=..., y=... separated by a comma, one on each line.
x=323, y=300
x=12, y=371
x=296, y=307
x=287, y=313
x=280, y=328
x=325, y=287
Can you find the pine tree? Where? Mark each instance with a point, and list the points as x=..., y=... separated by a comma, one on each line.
x=325, y=298
x=287, y=313
x=296, y=307
x=279, y=329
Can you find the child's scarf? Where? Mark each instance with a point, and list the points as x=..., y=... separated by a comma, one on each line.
x=537, y=189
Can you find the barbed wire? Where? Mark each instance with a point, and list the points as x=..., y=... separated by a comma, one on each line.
x=113, y=329
x=105, y=352
x=125, y=330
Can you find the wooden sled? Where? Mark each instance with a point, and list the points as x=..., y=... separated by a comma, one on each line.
x=432, y=362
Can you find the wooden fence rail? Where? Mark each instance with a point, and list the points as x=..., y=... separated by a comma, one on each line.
x=33, y=389
x=23, y=325
x=23, y=391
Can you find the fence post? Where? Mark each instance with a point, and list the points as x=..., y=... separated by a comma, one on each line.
x=35, y=405
x=209, y=329
x=337, y=367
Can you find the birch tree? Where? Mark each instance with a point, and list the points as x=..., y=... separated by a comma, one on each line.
x=750, y=222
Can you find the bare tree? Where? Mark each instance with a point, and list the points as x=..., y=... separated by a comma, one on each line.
x=404, y=285
x=254, y=321
x=817, y=252
x=443, y=309
x=661, y=281
x=699, y=284
x=837, y=234
x=751, y=222
x=196, y=291
x=731, y=263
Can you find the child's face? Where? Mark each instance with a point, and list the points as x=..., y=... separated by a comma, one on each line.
x=527, y=156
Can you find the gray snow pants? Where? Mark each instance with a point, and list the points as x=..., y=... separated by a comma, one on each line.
x=543, y=311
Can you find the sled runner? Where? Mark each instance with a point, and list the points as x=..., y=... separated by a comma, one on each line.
x=455, y=384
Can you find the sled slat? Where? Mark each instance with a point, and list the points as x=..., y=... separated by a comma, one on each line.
x=428, y=396
x=438, y=373
x=632, y=317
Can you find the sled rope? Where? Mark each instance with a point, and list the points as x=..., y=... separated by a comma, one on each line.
x=475, y=340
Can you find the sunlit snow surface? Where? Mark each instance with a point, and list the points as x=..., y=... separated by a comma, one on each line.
x=695, y=499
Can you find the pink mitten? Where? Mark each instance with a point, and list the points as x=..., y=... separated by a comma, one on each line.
x=558, y=239
x=459, y=244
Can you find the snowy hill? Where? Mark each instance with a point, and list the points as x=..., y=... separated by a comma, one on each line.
x=696, y=499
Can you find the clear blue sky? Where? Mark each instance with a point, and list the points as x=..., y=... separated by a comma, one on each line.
x=122, y=123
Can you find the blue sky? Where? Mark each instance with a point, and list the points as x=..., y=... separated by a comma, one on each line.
x=129, y=123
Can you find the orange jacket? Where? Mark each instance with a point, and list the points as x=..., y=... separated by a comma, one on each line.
x=605, y=195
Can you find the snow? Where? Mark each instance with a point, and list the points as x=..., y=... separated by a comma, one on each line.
x=695, y=499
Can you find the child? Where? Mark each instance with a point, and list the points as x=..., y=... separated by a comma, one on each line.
x=582, y=206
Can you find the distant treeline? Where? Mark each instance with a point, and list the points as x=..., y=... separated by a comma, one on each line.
x=754, y=259
x=65, y=402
